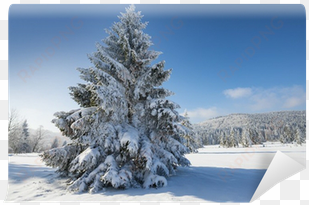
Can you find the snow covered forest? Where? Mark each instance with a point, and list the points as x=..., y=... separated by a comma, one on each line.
x=249, y=129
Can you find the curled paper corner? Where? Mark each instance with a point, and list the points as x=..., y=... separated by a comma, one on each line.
x=281, y=167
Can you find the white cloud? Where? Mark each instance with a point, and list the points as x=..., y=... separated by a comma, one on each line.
x=201, y=114
x=253, y=100
x=263, y=99
x=279, y=97
x=293, y=102
x=238, y=92
x=293, y=96
x=275, y=98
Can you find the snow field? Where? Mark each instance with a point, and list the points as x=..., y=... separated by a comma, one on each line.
x=215, y=175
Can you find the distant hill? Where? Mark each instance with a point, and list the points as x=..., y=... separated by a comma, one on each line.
x=286, y=126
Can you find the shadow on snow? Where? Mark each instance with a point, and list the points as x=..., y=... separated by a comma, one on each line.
x=206, y=183
x=18, y=173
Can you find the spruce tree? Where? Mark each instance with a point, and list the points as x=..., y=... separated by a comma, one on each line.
x=254, y=136
x=300, y=137
x=245, y=138
x=232, y=142
x=24, y=146
x=25, y=132
x=192, y=141
x=125, y=133
x=223, y=140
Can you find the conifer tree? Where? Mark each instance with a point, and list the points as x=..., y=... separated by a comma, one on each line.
x=25, y=132
x=300, y=136
x=223, y=140
x=125, y=133
x=24, y=141
x=232, y=142
x=245, y=138
x=254, y=136
x=286, y=136
x=192, y=141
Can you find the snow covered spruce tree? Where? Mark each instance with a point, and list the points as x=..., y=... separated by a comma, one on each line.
x=125, y=133
x=24, y=141
x=192, y=140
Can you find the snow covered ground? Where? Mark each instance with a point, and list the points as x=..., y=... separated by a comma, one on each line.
x=216, y=175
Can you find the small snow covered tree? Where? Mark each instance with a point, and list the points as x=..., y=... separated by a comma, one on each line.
x=245, y=138
x=232, y=141
x=287, y=136
x=193, y=142
x=300, y=137
x=223, y=140
x=25, y=132
x=25, y=141
x=125, y=133
x=254, y=136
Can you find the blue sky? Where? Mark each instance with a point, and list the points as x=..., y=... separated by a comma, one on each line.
x=225, y=58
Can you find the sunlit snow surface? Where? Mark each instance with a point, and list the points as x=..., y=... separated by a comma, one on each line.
x=216, y=175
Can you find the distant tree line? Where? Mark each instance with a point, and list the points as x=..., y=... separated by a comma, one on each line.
x=286, y=127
